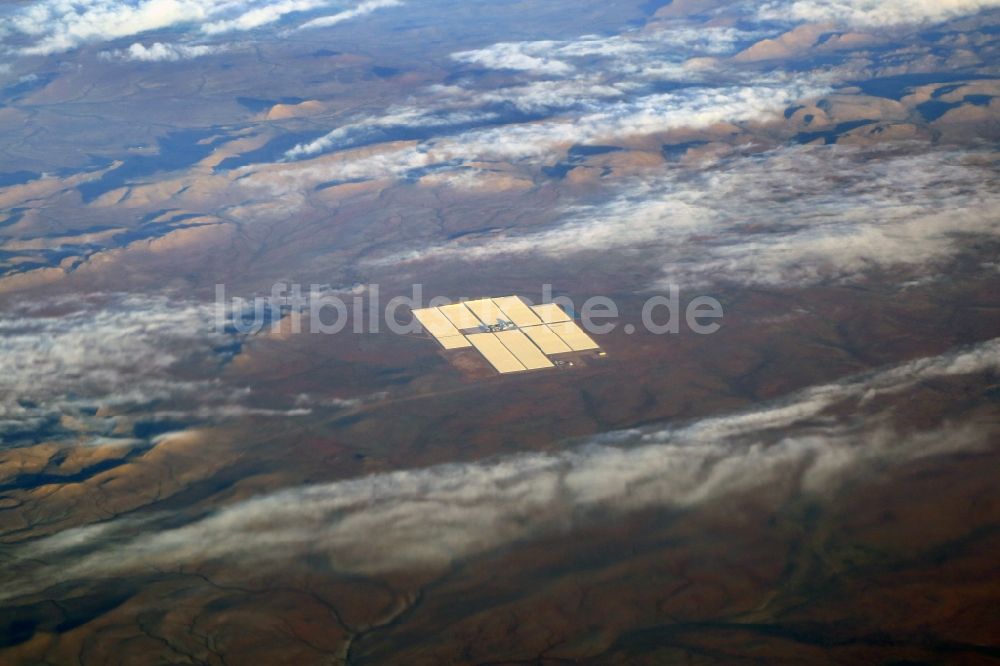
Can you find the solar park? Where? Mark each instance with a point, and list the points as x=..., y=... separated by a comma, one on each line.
x=512, y=335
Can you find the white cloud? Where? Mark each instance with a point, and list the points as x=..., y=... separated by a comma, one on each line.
x=61, y=25
x=609, y=122
x=120, y=352
x=632, y=52
x=160, y=52
x=629, y=64
x=697, y=39
x=402, y=117
x=366, y=7
x=40, y=350
x=546, y=96
x=513, y=56
x=829, y=213
x=613, y=99
x=444, y=106
x=873, y=13
x=433, y=516
x=265, y=14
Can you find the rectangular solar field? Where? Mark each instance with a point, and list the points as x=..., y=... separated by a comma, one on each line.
x=511, y=335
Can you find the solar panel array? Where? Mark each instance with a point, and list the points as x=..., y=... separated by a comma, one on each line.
x=512, y=335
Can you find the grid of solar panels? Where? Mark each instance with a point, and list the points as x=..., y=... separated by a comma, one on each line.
x=535, y=333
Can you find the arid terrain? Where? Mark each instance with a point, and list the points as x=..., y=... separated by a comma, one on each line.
x=191, y=474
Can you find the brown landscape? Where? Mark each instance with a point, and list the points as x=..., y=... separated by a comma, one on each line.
x=815, y=482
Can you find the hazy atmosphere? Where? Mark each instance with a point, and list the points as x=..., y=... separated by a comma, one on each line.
x=760, y=423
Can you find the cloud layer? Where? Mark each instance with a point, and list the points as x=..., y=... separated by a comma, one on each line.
x=54, y=26
x=433, y=516
x=160, y=52
x=529, y=143
x=873, y=13
x=366, y=7
x=563, y=76
x=121, y=353
x=633, y=52
x=791, y=216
